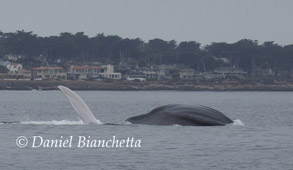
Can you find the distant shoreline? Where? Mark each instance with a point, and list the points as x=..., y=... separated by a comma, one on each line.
x=143, y=86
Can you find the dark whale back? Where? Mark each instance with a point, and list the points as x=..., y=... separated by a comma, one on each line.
x=187, y=115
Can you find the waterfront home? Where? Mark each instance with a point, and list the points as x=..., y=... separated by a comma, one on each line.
x=165, y=71
x=25, y=74
x=160, y=72
x=84, y=72
x=187, y=74
x=22, y=74
x=45, y=73
x=231, y=72
x=213, y=75
x=109, y=72
x=150, y=73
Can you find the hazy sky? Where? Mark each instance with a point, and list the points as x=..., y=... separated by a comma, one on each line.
x=204, y=21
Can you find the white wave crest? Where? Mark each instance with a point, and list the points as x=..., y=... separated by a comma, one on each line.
x=53, y=122
x=238, y=122
x=127, y=123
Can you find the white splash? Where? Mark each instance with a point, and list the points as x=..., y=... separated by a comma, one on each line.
x=238, y=122
x=127, y=123
x=53, y=122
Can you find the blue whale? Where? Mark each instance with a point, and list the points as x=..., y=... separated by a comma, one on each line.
x=175, y=114
x=186, y=115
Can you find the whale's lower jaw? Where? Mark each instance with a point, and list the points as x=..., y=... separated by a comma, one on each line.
x=184, y=115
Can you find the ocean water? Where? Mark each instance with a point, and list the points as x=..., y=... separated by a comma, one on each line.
x=264, y=142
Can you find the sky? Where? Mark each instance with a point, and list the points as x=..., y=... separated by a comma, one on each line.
x=204, y=21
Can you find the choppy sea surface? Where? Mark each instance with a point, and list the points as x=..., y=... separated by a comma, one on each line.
x=264, y=142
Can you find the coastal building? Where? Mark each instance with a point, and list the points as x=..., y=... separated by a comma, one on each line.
x=15, y=71
x=84, y=72
x=109, y=72
x=150, y=73
x=45, y=73
x=187, y=74
x=231, y=72
x=213, y=75
x=160, y=72
x=126, y=68
x=22, y=74
x=165, y=71
x=25, y=74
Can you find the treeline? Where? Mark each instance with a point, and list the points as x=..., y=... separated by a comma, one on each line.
x=246, y=54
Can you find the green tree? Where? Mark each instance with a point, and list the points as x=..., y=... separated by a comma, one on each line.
x=190, y=54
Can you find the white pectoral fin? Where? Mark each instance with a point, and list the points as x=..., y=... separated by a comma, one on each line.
x=79, y=106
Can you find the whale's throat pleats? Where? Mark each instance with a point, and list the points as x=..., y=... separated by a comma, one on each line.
x=79, y=106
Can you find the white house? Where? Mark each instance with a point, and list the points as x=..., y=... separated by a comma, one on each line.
x=109, y=72
x=84, y=72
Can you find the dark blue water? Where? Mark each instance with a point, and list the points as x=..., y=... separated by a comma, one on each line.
x=265, y=142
